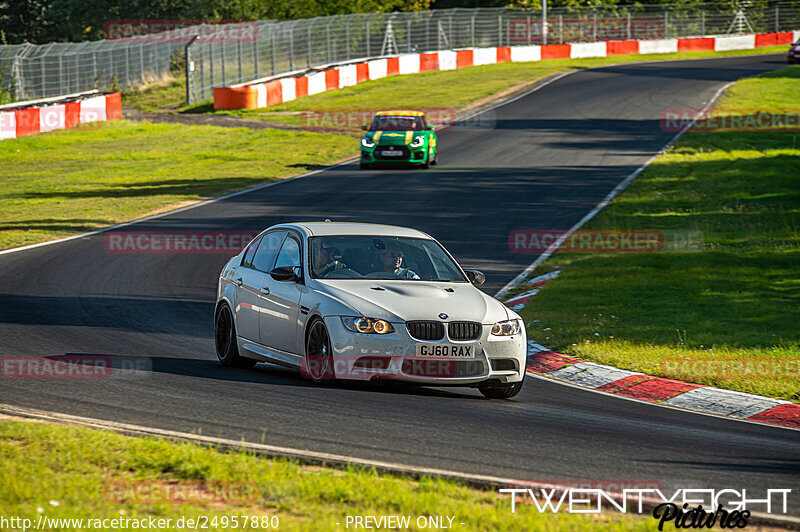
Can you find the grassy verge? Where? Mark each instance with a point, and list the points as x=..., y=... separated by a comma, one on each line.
x=724, y=315
x=66, y=182
x=449, y=89
x=69, y=472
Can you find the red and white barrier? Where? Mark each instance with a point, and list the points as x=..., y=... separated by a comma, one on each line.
x=283, y=89
x=28, y=118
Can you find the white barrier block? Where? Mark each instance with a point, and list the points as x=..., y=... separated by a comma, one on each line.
x=521, y=54
x=8, y=125
x=408, y=64
x=347, y=76
x=377, y=68
x=447, y=60
x=734, y=42
x=587, y=49
x=52, y=118
x=93, y=110
x=316, y=83
x=660, y=46
x=287, y=89
x=484, y=56
x=261, y=95
x=796, y=36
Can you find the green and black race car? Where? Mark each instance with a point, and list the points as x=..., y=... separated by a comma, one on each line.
x=399, y=137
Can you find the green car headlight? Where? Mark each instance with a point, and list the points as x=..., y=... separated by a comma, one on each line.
x=367, y=142
x=418, y=141
x=506, y=328
x=367, y=325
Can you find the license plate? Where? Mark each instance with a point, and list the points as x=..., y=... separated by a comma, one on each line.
x=440, y=351
x=392, y=153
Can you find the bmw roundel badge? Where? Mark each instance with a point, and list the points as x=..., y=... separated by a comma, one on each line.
x=443, y=316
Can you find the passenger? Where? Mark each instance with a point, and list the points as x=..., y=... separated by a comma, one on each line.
x=392, y=260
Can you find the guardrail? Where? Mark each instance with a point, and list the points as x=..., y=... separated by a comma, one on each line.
x=279, y=89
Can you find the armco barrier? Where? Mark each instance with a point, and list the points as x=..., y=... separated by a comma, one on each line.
x=271, y=91
x=28, y=118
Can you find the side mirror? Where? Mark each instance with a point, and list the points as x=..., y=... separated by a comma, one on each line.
x=475, y=277
x=364, y=127
x=285, y=274
x=431, y=128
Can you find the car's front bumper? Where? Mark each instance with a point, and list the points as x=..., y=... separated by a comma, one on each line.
x=409, y=155
x=393, y=356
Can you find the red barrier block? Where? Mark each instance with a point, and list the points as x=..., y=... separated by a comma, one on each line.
x=72, y=114
x=274, y=92
x=464, y=58
x=503, y=54
x=300, y=86
x=331, y=79
x=694, y=45
x=622, y=47
x=556, y=51
x=428, y=62
x=235, y=98
x=362, y=72
x=392, y=66
x=549, y=361
x=27, y=122
x=773, y=39
x=113, y=106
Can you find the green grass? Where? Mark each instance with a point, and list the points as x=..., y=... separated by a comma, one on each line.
x=61, y=183
x=65, y=472
x=734, y=302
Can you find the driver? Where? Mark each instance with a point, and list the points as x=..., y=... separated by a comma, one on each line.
x=327, y=262
x=392, y=262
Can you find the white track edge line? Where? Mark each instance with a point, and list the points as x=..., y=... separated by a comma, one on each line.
x=523, y=275
x=307, y=456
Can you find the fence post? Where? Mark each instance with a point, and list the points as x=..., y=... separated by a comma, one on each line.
x=408, y=33
x=256, y=73
x=500, y=29
x=367, y=31
x=272, y=46
x=222, y=55
x=187, y=57
x=666, y=23
x=308, y=46
x=702, y=21
x=211, y=62
x=777, y=25
x=291, y=48
x=239, y=57
x=60, y=76
x=594, y=24
x=560, y=30
x=629, y=24
x=472, y=29
x=328, y=39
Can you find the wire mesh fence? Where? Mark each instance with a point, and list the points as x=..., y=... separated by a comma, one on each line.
x=227, y=54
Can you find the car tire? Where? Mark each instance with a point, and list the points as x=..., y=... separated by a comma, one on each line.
x=225, y=340
x=427, y=163
x=317, y=364
x=494, y=390
x=435, y=159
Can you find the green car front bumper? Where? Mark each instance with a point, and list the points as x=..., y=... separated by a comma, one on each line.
x=389, y=150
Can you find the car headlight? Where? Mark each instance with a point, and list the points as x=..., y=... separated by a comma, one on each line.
x=418, y=141
x=367, y=143
x=506, y=328
x=367, y=325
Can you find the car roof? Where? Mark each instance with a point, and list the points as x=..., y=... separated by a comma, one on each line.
x=399, y=113
x=353, y=228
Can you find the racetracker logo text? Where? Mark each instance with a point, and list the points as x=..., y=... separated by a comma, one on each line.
x=603, y=241
x=176, y=242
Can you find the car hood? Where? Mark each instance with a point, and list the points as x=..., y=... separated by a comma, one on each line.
x=393, y=138
x=399, y=301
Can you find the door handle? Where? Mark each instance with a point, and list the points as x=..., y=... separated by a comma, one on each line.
x=238, y=281
x=265, y=290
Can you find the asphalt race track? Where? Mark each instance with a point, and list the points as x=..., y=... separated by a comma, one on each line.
x=542, y=161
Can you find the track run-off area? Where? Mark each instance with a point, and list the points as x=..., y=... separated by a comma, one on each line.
x=543, y=161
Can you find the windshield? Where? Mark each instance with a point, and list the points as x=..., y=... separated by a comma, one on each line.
x=397, y=123
x=369, y=257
